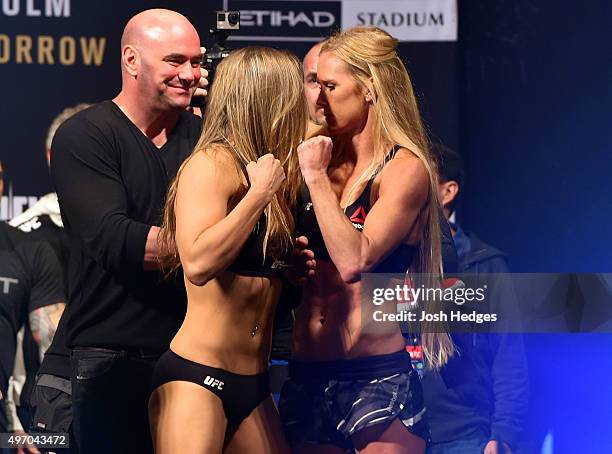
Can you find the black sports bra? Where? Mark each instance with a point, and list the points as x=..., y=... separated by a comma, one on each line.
x=398, y=261
x=250, y=260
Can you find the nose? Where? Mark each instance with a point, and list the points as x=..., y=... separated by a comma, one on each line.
x=188, y=74
x=321, y=99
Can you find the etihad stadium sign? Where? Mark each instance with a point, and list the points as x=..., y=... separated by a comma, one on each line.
x=310, y=21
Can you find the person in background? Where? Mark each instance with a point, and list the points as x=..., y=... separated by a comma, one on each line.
x=43, y=220
x=49, y=395
x=31, y=292
x=111, y=166
x=49, y=401
x=478, y=402
x=311, y=84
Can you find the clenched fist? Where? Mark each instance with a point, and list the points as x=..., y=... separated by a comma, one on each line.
x=265, y=176
x=314, y=156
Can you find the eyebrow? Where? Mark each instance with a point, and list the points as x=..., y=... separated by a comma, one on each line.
x=176, y=56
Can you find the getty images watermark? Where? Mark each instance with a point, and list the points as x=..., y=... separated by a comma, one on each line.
x=409, y=298
x=492, y=303
x=463, y=303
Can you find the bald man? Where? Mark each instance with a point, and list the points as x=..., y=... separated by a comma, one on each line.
x=311, y=86
x=111, y=166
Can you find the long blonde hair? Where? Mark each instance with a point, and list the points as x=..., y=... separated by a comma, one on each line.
x=256, y=106
x=372, y=57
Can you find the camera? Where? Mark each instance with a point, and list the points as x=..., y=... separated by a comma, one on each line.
x=226, y=23
x=228, y=20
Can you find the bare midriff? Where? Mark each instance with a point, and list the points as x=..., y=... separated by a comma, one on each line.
x=229, y=323
x=332, y=322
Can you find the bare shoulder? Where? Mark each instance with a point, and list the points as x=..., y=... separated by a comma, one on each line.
x=211, y=158
x=405, y=170
x=214, y=165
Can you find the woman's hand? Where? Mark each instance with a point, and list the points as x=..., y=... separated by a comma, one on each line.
x=265, y=176
x=314, y=156
x=302, y=264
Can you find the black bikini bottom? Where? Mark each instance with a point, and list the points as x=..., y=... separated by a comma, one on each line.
x=240, y=394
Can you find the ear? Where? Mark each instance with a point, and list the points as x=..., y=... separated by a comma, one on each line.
x=130, y=58
x=369, y=93
x=448, y=192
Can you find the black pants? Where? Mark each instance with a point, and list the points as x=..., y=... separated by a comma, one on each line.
x=51, y=407
x=110, y=394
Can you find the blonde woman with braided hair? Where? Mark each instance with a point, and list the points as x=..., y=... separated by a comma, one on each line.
x=370, y=206
x=229, y=218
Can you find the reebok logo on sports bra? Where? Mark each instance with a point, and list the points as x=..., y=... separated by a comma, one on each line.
x=213, y=382
x=358, y=218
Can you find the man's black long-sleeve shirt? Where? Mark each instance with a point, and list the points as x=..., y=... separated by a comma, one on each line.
x=111, y=181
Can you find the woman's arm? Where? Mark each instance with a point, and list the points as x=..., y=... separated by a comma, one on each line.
x=209, y=238
x=403, y=192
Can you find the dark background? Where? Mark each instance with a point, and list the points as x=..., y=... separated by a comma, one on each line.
x=535, y=108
